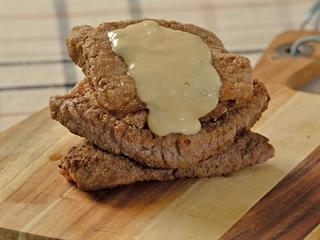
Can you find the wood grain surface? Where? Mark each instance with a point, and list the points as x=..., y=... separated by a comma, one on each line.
x=289, y=211
x=37, y=203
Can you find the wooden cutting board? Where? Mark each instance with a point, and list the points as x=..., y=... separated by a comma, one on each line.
x=37, y=203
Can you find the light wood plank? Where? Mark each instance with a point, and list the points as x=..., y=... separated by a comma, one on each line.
x=28, y=100
x=314, y=235
x=289, y=210
x=8, y=120
x=30, y=75
x=96, y=11
x=239, y=24
x=28, y=31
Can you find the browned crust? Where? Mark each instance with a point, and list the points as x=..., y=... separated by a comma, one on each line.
x=82, y=115
x=93, y=169
x=90, y=48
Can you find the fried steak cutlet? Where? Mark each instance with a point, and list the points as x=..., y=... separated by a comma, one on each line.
x=90, y=49
x=120, y=149
x=81, y=113
x=92, y=169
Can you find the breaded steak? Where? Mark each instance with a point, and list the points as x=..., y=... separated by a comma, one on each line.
x=120, y=149
x=90, y=49
x=93, y=169
x=81, y=113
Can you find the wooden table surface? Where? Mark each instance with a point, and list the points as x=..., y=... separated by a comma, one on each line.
x=33, y=60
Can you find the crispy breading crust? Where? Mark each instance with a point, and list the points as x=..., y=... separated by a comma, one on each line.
x=82, y=115
x=93, y=169
x=90, y=48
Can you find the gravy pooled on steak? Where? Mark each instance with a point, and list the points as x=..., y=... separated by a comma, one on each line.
x=173, y=75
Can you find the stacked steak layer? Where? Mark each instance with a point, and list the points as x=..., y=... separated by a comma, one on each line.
x=120, y=149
